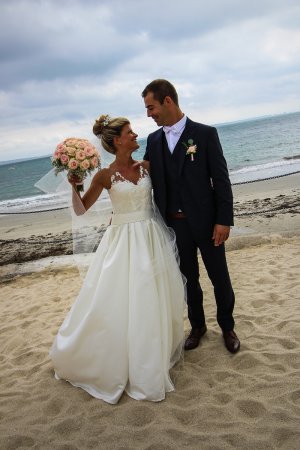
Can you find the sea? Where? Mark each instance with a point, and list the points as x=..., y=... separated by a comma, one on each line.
x=254, y=149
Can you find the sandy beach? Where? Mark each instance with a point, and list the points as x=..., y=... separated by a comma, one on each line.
x=261, y=209
x=250, y=400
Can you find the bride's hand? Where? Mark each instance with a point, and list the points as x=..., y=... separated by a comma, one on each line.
x=74, y=180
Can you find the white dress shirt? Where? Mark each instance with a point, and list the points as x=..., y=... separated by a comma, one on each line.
x=173, y=133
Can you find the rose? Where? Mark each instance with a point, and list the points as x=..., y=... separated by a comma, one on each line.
x=80, y=155
x=89, y=151
x=69, y=142
x=64, y=158
x=95, y=161
x=191, y=149
x=60, y=148
x=73, y=164
x=84, y=165
x=71, y=151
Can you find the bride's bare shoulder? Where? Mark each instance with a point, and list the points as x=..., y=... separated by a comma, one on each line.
x=102, y=177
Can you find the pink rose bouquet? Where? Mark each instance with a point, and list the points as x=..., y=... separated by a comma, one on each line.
x=78, y=156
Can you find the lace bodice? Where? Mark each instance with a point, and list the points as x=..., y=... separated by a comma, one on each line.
x=127, y=197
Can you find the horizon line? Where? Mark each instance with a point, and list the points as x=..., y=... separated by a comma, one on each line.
x=221, y=124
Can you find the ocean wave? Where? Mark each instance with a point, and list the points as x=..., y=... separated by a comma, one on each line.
x=292, y=157
x=282, y=163
x=267, y=170
x=36, y=203
x=46, y=202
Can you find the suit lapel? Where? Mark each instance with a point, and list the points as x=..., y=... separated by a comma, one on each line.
x=158, y=145
x=180, y=147
x=158, y=173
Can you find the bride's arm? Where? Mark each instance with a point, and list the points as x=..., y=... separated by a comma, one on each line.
x=81, y=205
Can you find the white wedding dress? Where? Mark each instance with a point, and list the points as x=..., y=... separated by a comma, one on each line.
x=125, y=330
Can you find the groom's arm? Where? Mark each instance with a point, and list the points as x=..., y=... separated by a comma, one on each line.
x=220, y=179
x=146, y=155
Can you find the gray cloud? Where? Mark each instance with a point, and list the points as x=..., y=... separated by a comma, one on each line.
x=64, y=62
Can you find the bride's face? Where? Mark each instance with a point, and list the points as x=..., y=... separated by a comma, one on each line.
x=128, y=138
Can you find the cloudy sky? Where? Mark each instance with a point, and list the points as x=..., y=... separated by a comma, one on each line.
x=65, y=62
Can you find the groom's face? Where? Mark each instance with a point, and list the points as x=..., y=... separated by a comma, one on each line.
x=159, y=112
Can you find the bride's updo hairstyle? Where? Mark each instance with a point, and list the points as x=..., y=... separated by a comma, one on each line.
x=106, y=128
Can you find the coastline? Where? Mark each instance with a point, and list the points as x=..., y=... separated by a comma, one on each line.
x=263, y=210
x=269, y=206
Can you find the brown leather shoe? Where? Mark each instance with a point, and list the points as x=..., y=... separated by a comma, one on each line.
x=231, y=341
x=194, y=337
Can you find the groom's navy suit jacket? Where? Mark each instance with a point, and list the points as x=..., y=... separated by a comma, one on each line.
x=204, y=183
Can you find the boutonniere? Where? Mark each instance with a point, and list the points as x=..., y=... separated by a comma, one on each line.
x=191, y=148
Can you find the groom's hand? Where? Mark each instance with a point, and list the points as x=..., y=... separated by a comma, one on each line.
x=220, y=234
x=137, y=164
x=144, y=163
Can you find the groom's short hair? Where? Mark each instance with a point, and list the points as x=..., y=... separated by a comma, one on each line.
x=161, y=89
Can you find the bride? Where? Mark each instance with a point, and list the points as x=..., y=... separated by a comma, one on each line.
x=125, y=330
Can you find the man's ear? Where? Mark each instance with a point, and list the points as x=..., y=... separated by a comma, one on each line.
x=168, y=100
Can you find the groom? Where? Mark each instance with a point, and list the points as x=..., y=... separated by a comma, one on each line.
x=193, y=193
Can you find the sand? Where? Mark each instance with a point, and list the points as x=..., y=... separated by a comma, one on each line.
x=250, y=400
x=261, y=209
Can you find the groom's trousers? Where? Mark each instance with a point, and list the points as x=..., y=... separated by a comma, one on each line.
x=215, y=263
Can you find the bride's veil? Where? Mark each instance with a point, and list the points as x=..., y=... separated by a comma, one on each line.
x=89, y=226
